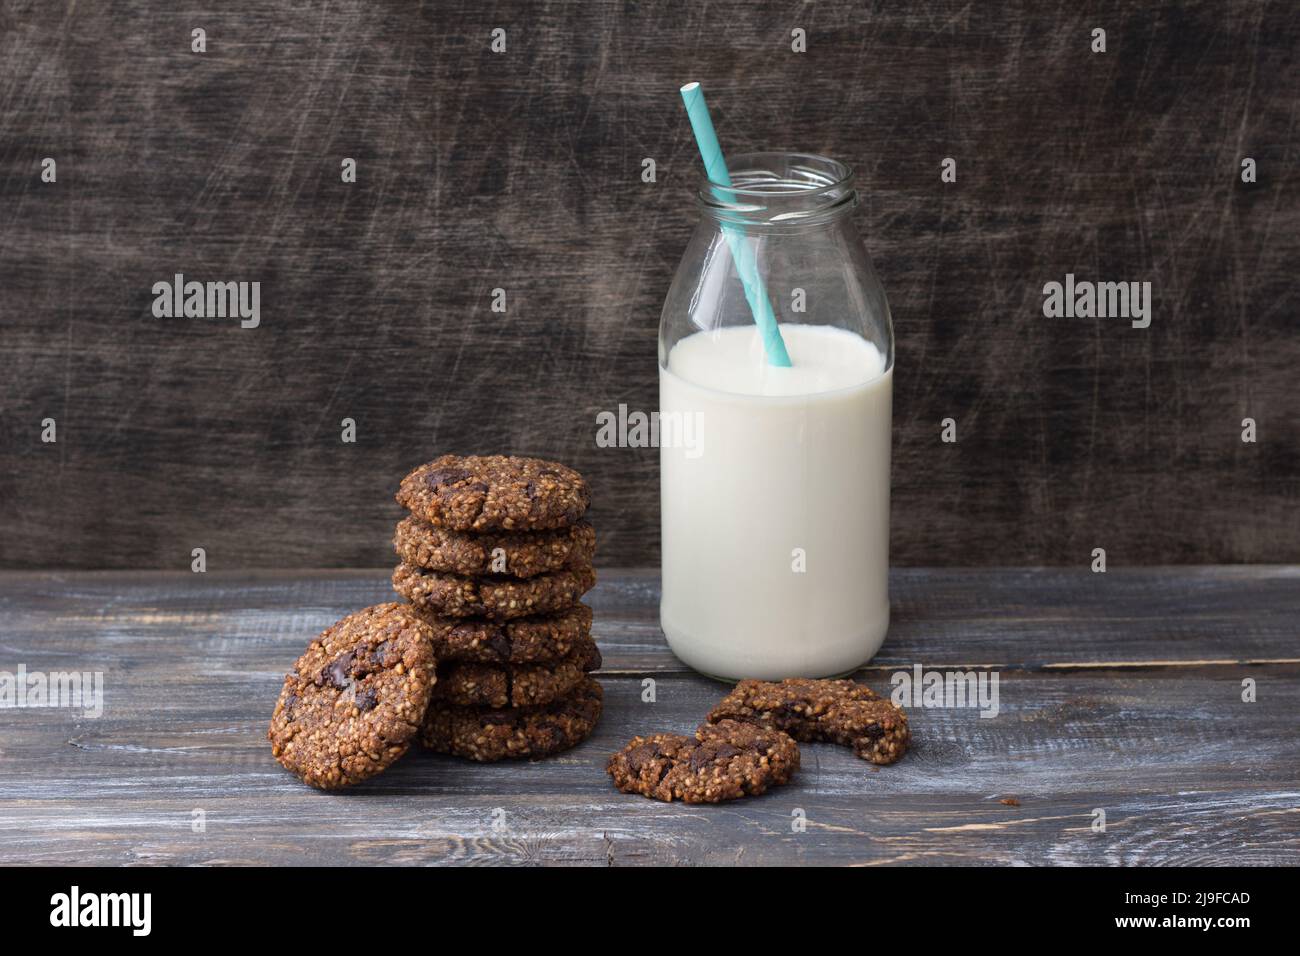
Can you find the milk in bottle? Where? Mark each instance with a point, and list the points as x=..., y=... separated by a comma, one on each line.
x=776, y=522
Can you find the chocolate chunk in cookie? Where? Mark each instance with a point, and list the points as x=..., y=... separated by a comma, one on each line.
x=837, y=711
x=487, y=735
x=451, y=595
x=355, y=698
x=494, y=493
x=541, y=639
x=722, y=761
x=514, y=685
x=522, y=554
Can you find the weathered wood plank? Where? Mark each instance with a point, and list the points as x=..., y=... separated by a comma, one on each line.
x=1184, y=770
x=1013, y=618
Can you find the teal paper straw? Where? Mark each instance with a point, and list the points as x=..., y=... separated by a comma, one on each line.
x=715, y=167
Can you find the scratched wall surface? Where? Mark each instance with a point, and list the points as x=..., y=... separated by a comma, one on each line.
x=522, y=171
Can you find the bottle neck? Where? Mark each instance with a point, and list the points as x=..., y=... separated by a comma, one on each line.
x=780, y=192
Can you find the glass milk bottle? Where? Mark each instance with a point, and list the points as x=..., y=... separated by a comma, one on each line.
x=775, y=480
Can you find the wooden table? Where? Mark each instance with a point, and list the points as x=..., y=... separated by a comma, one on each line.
x=1119, y=691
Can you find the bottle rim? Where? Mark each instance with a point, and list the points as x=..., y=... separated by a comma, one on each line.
x=774, y=187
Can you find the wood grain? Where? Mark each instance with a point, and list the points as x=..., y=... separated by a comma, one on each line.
x=522, y=171
x=1117, y=692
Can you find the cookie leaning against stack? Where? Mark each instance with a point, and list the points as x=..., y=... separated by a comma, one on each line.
x=494, y=558
x=356, y=697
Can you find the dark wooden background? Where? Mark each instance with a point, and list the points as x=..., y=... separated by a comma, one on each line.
x=523, y=171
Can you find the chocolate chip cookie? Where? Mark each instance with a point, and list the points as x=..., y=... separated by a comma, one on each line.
x=837, y=711
x=522, y=554
x=494, y=493
x=355, y=698
x=541, y=639
x=514, y=685
x=489, y=735
x=722, y=761
x=451, y=595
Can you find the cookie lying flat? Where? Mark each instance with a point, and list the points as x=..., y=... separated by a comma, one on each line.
x=722, y=761
x=450, y=595
x=356, y=697
x=514, y=685
x=837, y=711
x=490, y=735
x=523, y=554
x=494, y=493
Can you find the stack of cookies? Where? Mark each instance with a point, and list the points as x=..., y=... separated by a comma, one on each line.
x=495, y=555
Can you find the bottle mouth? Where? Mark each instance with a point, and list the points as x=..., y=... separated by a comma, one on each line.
x=780, y=188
